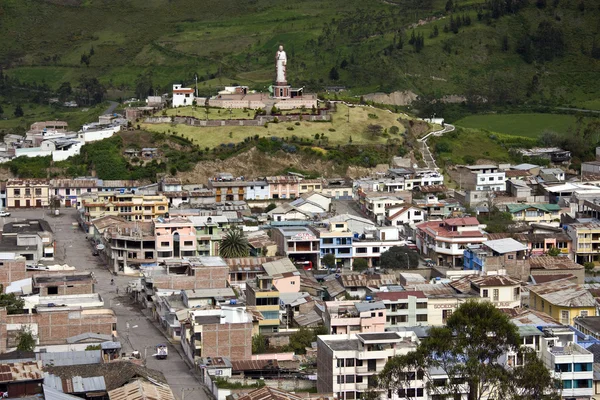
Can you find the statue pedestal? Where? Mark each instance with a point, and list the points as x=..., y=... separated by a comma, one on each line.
x=281, y=91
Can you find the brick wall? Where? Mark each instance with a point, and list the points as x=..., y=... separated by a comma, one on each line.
x=205, y=278
x=227, y=340
x=11, y=271
x=68, y=288
x=55, y=327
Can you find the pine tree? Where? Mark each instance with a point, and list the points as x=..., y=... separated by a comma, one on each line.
x=19, y=111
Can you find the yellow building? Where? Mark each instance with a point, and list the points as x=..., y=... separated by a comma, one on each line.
x=132, y=207
x=534, y=212
x=27, y=193
x=563, y=300
x=264, y=298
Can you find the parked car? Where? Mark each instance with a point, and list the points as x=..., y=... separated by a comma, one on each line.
x=4, y=214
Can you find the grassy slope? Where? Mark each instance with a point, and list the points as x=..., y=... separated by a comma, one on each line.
x=37, y=112
x=359, y=119
x=527, y=125
x=176, y=39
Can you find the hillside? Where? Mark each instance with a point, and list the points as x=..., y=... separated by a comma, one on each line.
x=494, y=52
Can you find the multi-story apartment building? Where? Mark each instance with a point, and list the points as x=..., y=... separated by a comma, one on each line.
x=257, y=190
x=348, y=364
x=132, y=207
x=585, y=238
x=336, y=239
x=283, y=187
x=494, y=255
x=563, y=300
x=445, y=241
x=482, y=177
x=175, y=238
x=371, y=244
x=27, y=193
x=501, y=290
x=437, y=209
x=311, y=185
x=345, y=317
x=404, y=308
x=264, y=297
x=375, y=205
x=404, y=214
x=227, y=188
x=127, y=244
x=209, y=232
x=69, y=191
x=570, y=363
x=300, y=244
x=221, y=332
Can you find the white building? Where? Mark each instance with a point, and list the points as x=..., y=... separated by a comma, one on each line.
x=483, y=177
x=373, y=243
x=182, y=96
x=404, y=214
x=257, y=190
x=349, y=364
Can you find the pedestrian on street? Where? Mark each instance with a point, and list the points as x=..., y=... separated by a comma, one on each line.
x=117, y=290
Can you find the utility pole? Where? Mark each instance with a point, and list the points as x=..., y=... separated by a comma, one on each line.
x=196, y=85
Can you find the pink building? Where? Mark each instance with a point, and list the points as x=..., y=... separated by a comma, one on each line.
x=285, y=275
x=345, y=317
x=283, y=187
x=538, y=244
x=175, y=238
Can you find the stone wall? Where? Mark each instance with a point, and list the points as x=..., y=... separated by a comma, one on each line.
x=259, y=121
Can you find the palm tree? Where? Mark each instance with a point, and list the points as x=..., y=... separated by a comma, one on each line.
x=234, y=244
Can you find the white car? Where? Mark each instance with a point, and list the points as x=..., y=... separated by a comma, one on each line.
x=4, y=214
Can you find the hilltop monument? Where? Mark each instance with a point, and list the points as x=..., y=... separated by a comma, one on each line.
x=281, y=89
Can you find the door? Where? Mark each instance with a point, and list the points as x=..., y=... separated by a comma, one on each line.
x=38, y=203
x=67, y=203
x=176, y=244
x=17, y=203
x=27, y=203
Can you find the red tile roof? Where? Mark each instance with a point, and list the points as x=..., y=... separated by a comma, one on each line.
x=466, y=221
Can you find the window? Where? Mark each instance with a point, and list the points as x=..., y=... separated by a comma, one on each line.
x=17, y=192
x=52, y=289
x=421, y=305
x=164, y=244
x=516, y=293
x=340, y=363
x=38, y=191
x=446, y=314
x=511, y=257
x=583, y=313
x=349, y=378
x=380, y=314
x=188, y=243
x=340, y=378
x=161, y=208
x=421, y=317
x=562, y=367
x=564, y=317
x=583, y=367
x=376, y=250
x=484, y=293
x=359, y=363
x=349, y=362
x=361, y=250
x=496, y=294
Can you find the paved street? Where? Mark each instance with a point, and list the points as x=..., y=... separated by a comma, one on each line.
x=73, y=249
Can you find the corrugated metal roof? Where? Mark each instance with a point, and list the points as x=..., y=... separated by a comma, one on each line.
x=92, y=384
x=24, y=371
x=51, y=393
x=139, y=390
x=53, y=381
x=71, y=357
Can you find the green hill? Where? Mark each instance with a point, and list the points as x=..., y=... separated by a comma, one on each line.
x=493, y=52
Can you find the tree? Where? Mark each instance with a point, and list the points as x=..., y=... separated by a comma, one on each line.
x=1, y=110
x=19, y=111
x=399, y=257
x=589, y=266
x=259, y=344
x=92, y=91
x=554, y=251
x=394, y=130
x=234, y=244
x=329, y=260
x=374, y=130
x=25, y=340
x=360, y=264
x=436, y=31
x=302, y=338
x=334, y=75
x=143, y=86
x=85, y=59
x=64, y=91
x=505, y=44
x=449, y=6
x=270, y=207
x=10, y=301
x=531, y=380
x=468, y=349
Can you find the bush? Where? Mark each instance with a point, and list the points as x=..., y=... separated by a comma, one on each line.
x=297, y=124
x=589, y=266
x=360, y=264
x=290, y=128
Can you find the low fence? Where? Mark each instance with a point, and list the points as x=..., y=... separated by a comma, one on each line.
x=258, y=121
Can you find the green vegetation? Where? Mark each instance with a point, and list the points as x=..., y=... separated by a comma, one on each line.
x=360, y=264
x=25, y=340
x=474, y=50
x=223, y=383
x=526, y=125
x=468, y=348
x=259, y=344
x=91, y=347
x=399, y=257
x=303, y=337
x=10, y=301
x=234, y=244
x=340, y=135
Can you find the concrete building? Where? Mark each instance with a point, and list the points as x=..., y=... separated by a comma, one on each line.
x=228, y=188
x=372, y=243
x=262, y=295
x=346, y=317
x=63, y=284
x=175, y=238
x=300, y=244
x=27, y=193
x=209, y=232
x=283, y=187
x=445, y=241
x=182, y=96
x=223, y=332
x=585, y=238
x=69, y=191
x=404, y=308
x=534, y=213
x=132, y=207
x=494, y=253
x=32, y=239
x=336, y=238
x=563, y=300
x=482, y=177
x=501, y=290
x=257, y=190
x=348, y=364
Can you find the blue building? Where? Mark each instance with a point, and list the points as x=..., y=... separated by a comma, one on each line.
x=497, y=253
x=336, y=239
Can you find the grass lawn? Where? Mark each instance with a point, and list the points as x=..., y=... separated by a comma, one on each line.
x=213, y=113
x=75, y=117
x=469, y=143
x=527, y=125
x=342, y=129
